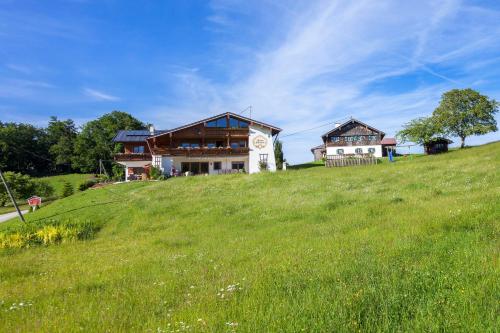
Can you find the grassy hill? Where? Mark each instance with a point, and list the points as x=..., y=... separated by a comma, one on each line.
x=407, y=246
x=57, y=182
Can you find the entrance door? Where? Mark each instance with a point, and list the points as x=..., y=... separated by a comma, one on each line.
x=195, y=168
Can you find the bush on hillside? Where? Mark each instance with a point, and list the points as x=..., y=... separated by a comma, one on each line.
x=67, y=189
x=23, y=187
x=156, y=173
x=28, y=235
x=87, y=184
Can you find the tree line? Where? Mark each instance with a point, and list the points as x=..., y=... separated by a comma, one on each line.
x=61, y=147
x=461, y=113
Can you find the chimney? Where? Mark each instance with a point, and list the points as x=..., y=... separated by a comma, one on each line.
x=151, y=130
x=337, y=125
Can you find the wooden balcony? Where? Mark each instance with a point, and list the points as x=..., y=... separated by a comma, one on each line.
x=125, y=157
x=202, y=151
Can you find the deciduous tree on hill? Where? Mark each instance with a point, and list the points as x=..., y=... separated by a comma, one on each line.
x=94, y=142
x=465, y=112
x=421, y=130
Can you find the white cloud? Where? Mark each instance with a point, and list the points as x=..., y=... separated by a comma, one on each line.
x=99, y=95
x=325, y=66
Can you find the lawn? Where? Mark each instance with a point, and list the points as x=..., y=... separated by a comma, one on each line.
x=57, y=183
x=405, y=246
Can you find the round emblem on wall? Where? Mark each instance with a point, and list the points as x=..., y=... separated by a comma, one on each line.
x=259, y=142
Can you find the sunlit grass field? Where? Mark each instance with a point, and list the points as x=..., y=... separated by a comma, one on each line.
x=405, y=246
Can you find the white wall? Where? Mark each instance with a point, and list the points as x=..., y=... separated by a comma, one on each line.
x=254, y=155
x=352, y=150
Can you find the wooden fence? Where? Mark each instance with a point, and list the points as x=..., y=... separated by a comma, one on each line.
x=349, y=160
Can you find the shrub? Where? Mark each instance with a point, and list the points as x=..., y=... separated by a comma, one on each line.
x=155, y=173
x=43, y=189
x=27, y=235
x=263, y=166
x=87, y=184
x=67, y=189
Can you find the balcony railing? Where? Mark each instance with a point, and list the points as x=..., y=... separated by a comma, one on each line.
x=202, y=151
x=124, y=157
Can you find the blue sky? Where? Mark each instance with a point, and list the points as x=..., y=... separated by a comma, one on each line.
x=299, y=64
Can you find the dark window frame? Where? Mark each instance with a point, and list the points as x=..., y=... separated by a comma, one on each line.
x=138, y=149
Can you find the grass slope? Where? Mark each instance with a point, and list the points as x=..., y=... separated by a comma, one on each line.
x=408, y=246
x=57, y=183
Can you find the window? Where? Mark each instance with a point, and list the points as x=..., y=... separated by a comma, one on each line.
x=185, y=145
x=233, y=123
x=263, y=157
x=348, y=138
x=372, y=137
x=220, y=123
x=236, y=123
x=138, y=150
x=211, y=145
x=157, y=161
x=340, y=151
x=217, y=165
x=195, y=145
x=238, y=165
x=371, y=150
x=359, y=150
x=335, y=139
x=238, y=144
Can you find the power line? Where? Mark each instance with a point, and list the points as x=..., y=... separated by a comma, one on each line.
x=316, y=127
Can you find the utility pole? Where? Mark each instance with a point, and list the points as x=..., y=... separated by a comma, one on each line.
x=11, y=197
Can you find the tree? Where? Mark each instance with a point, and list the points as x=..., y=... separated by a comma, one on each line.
x=24, y=148
x=278, y=154
x=421, y=130
x=67, y=189
x=465, y=112
x=61, y=136
x=95, y=140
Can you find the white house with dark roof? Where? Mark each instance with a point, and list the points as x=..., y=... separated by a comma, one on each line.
x=225, y=143
x=355, y=138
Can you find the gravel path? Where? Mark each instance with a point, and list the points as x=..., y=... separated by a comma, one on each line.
x=8, y=216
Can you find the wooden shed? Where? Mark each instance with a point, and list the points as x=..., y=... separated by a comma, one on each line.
x=436, y=146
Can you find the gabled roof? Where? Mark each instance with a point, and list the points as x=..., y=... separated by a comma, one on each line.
x=318, y=147
x=440, y=139
x=350, y=121
x=275, y=130
x=388, y=141
x=134, y=135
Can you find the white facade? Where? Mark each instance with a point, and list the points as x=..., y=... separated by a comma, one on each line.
x=261, y=146
x=352, y=150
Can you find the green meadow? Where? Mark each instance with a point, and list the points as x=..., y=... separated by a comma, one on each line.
x=401, y=247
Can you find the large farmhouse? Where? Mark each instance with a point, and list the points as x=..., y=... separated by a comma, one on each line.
x=355, y=138
x=225, y=143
